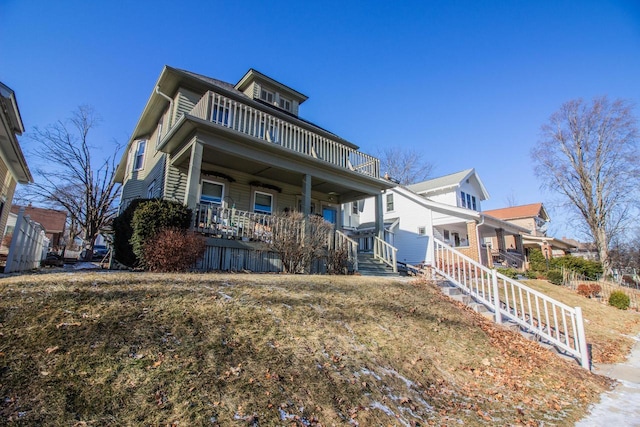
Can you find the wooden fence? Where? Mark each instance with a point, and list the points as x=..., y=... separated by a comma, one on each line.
x=572, y=280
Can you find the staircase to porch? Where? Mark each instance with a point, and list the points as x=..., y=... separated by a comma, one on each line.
x=369, y=265
x=538, y=317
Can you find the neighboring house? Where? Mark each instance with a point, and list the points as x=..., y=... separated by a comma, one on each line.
x=13, y=166
x=585, y=250
x=533, y=216
x=237, y=154
x=446, y=208
x=53, y=221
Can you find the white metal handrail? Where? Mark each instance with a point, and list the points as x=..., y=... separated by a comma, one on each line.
x=342, y=240
x=385, y=252
x=251, y=121
x=539, y=314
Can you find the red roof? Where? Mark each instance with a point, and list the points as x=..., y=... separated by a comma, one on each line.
x=532, y=210
x=52, y=220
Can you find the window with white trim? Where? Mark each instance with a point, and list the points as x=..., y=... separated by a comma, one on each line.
x=354, y=208
x=138, y=162
x=159, y=131
x=151, y=189
x=389, y=202
x=262, y=203
x=422, y=231
x=285, y=104
x=211, y=193
x=267, y=95
x=463, y=199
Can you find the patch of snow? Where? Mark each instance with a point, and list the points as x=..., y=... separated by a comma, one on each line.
x=225, y=296
x=86, y=266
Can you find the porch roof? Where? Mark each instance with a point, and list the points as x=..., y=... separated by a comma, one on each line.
x=551, y=241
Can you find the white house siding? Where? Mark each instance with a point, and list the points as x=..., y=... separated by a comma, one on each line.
x=450, y=197
x=412, y=247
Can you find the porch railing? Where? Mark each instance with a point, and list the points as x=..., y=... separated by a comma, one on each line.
x=234, y=223
x=535, y=312
x=242, y=118
x=385, y=252
x=344, y=241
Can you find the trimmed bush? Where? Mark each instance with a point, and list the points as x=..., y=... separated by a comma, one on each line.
x=152, y=216
x=589, y=290
x=555, y=277
x=509, y=272
x=123, y=230
x=589, y=269
x=173, y=250
x=619, y=300
x=537, y=262
x=533, y=275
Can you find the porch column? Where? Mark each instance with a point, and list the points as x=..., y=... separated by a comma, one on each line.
x=519, y=244
x=379, y=217
x=306, y=195
x=193, y=177
x=500, y=238
x=474, y=244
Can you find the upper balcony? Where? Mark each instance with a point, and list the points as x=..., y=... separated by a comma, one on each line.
x=245, y=119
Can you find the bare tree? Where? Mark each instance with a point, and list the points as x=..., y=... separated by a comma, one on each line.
x=406, y=165
x=72, y=178
x=589, y=154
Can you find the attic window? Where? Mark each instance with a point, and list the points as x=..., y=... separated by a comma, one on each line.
x=285, y=104
x=266, y=95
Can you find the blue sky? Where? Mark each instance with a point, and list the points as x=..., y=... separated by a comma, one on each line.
x=468, y=83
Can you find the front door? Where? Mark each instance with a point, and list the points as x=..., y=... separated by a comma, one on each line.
x=330, y=214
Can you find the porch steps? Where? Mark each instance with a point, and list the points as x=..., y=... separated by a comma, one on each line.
x=369, y=266
x=457, y=294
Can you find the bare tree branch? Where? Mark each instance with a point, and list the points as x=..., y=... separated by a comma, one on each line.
x=589, y=154
x=71, y=179
x=405, y=165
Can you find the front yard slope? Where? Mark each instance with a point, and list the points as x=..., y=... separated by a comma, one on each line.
x=140, y=349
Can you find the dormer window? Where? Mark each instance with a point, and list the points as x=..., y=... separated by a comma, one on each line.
x=285, y=104
x=266, y=95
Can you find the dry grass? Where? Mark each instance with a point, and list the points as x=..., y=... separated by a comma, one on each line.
x=608, y=329
x=145, y=349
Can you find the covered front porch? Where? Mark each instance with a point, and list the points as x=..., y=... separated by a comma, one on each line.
x=489, y=241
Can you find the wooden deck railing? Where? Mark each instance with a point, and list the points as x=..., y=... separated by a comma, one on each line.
x=535, y=312
x=257, y=123
x=386, y=253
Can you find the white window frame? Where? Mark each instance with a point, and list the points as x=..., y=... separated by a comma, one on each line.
x=159, y=130
x=208, y=181
x=389, y=202
x=151, y=190
x=265, y=94
x=463, y=197
x=354, y=208
x=285, y=103
x=138, y=155
x=422, y=231
x=265, y=193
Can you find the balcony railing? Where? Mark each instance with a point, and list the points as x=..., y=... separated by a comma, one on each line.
x=242, y=118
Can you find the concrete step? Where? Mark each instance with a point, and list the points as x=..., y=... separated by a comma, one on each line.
x=465, y=299
x=451, y=291
x=479, y=308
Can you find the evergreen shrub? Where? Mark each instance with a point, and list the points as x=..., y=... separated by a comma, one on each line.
x=619, y=300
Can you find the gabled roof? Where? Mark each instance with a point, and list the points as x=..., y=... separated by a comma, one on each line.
x=458, y=212
x=253, y=74
x=533, y=210
x=52, y=220
x=450, y=181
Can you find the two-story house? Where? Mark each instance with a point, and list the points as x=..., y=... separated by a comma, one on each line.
x=237, y=154
x=446, y=208
x=13, y=166
x=534, y=217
